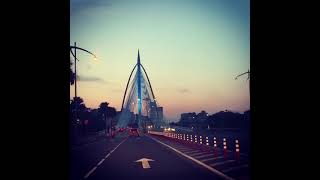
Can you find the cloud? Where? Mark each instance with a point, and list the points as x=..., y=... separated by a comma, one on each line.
x=183, y=90
x=90, y=79
x=80, y=5
x=98, y=80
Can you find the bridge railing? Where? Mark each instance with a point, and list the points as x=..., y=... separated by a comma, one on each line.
x=211, y=144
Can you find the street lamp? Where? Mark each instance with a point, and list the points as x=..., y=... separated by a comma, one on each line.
x=75, y=71
x=75, y=62
x=248, y=72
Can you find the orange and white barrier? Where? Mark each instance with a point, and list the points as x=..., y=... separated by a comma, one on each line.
x=200, y=140
x=225, y=148
x=215, y=147
x=237, y=152
x=207, y=141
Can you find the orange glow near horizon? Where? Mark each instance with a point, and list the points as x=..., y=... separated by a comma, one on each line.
x=191, y=51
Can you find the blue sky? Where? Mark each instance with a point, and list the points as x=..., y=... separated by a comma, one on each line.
x=192, y=50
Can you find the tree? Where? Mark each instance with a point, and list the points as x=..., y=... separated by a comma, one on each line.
x=103, y=110
x=84, y=119
x=78, y=103
x=111, y=112
x=72, y=75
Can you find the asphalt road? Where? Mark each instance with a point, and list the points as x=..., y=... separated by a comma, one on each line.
x=85, y=157
x=116, y=160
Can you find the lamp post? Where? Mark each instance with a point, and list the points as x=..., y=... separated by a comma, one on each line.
x=248, y=72
x=75, y=73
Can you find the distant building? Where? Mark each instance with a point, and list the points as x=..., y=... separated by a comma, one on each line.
x=152, y=111
x=187, y=119
x=160, y=114
x=155, y=113
x=194, y=120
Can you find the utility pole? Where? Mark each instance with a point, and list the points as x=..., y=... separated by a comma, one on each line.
x=75, y=91
x=75, y=80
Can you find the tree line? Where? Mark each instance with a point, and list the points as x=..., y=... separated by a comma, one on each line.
x=85, y=120
x=91, y=120
x=222, y=119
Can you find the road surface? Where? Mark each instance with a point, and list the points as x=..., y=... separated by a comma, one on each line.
x=116, y=159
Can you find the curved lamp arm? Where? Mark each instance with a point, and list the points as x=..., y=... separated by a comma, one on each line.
x=248, y=72
x=74, y=47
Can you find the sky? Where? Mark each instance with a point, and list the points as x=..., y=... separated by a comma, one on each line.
x=191, y=49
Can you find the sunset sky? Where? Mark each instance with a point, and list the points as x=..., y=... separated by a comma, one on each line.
x=191, y=49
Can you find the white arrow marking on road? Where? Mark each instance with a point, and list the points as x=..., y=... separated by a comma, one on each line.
x=145, y=162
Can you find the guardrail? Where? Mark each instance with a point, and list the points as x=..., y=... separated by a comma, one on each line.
x=210, y=144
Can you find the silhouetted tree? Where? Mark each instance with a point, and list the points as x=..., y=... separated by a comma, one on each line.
x=222, y=119
x=103, y=109
x=112, y=112
x=72, y=75
x=85, y=116
x=81, y=107
x=226, y=119
x=246, y=124
x=95, y=122
x=76, y=103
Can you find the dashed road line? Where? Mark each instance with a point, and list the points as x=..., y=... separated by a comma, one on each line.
x=190, y=151
x=101, y=161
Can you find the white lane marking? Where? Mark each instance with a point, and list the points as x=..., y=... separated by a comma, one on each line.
x=195, y=160
x=101, y=162
x=202, y=156
x=214, y=158
x=191, y=151
x=180, y=149
x=107, y=155
x=88, y=174
x=183, y=148
x=196, y=154
x=223, y=162
x=236, y=168
x=93, y=169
